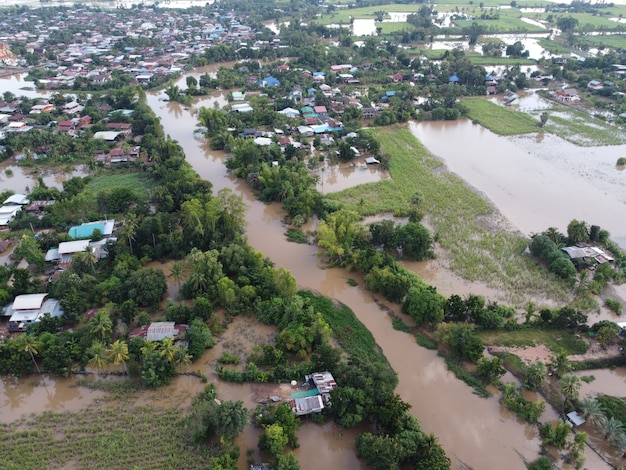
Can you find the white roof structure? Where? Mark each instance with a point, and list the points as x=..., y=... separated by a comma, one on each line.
x=19, y=199
x=29, y=301
x=106, y=135
x=157, y=331
x=10, y=210
x=241, y=108
x=68, y=248
x=263, y=141
x=575, y=418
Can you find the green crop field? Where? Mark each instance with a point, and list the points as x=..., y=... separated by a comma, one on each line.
x=498, y=119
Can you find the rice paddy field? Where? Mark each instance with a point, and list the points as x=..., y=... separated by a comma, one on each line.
x=102, y=438
x=499, y=119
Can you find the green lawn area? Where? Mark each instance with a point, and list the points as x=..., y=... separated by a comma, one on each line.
x=554, y=340
x=554, y=47
x=615, y=41
x=499, y=119
x=458, y=216
x=505, y=24
x=344, y=14
x=587, y=21
x=138, y=183
x=123, y=437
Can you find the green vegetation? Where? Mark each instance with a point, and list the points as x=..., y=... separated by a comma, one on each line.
x=613, y=407
x=527, y=410
x=499, y=119
x=461, y=373
x=124, y=437
x=352, y=335
x=426, y=342
x=621, y=161
x=613, y=304
x=296, y=236
x=553, y=46
x=398, y=324
x=139, y=184
x=458, y=216
x=554, y=340
x=582, y=129
x=227, y=358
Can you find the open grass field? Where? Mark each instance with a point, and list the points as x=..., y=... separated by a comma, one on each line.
x=554, y=340
x=461, y=220
x=498, y=119
x=138, y=183
x=505, y=24
x=554, y=47
x=124, y=437
x=474, y=57
x=615, y=41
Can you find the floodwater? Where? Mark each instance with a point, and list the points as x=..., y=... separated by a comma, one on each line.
x=607, y=382
x=535, y=182
x=22, y=179
x=21, y=397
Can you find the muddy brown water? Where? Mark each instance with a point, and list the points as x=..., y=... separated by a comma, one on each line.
x=476, y=432
x=535, y=185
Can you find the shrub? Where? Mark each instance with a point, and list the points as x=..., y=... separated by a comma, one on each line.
x=614, y=305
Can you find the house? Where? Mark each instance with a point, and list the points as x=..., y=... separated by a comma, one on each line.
x=575, y=419
x=17, y=200
x=241, y=108
x=396, y=77
x=313, y=400
x=583, y=254
x=238, y=96
x=453, y=79
x=42, y=108
x=269, y=82
x=108, y=136
x=567, y=95
x=66, y=126
x=290, y=112
x=321, y=111
x=595, y=85
x=7, y=214
x=369, y=113
x=158, y=331
x=86, y=230
x=38, y=206
x=28, y=309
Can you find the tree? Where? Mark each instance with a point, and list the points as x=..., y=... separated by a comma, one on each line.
x=199, y=337
x=570, y=386
x=337, y=235
x=592, y=412
x=229, y=419
x=560, y=364
x=612, y=428
x=465, y=343
x=99, y=355
x=424, y=304
x=29, y=344
x=118, y=353
x=566, y=23
x=275, y=441
x=490, y=370
x=535, y=376
x=177, y=272
x=167, y=349
x=87, y=258
x=181, y=357
x=543, y=119
x=415, y=241
x=287, y=462
x=100, y=325
x=146, y=286
x=130, y=228
x=577, y=232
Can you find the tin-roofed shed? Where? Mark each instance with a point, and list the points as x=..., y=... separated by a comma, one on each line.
x=29, y=301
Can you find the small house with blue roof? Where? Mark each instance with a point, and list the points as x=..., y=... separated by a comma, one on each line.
x=453, y=79
x=269, y=82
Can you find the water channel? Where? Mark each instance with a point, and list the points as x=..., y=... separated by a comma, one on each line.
x=476, y=433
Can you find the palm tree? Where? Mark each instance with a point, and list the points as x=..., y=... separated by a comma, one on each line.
x=167, y=349
x=620, y=442
x=177, y=272
x=592, y=412
x=570, y=385
x=429, y=442
x=612, y=429
x=118, y=353
x=101, y=325
x=88, y=257
x=99, y=355
x=148, y=347
x=30, y=345
x=181, y=357
x=130, y=228
x=561, y=364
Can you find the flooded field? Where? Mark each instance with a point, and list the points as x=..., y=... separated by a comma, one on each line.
x=535, y=182
x=22, y=179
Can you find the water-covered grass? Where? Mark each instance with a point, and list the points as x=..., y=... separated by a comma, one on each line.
x=499, y=119
x=504, y=24
x=463, y=221
x=124, y=437
x=554, y=340
x=583, y=129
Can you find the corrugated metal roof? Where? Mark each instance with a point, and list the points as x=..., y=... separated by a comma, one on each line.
x=157, y=331
x=305, y=406
x=17, y=199
x=28, y=301
x=324, y=381
x=67, y=248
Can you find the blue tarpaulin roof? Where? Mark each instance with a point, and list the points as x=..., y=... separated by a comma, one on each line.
x=85, y=230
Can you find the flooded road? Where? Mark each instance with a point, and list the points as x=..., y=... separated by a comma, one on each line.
x=536, y=183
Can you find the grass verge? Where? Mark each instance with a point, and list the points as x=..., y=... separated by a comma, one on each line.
x=351, y=334
x=463, y=374
x=462, y=220
x=125, y=437
x=498, y=119
x=554, y=340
